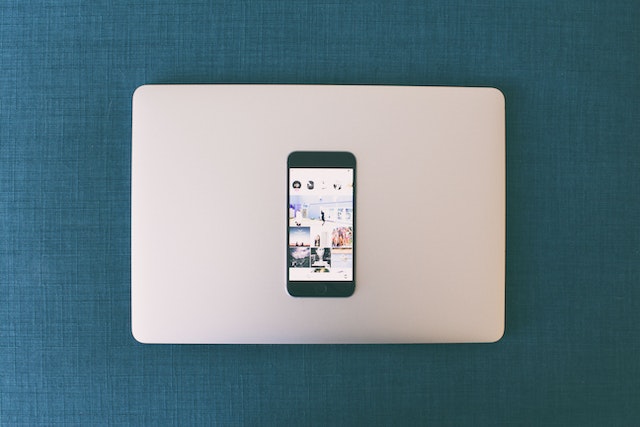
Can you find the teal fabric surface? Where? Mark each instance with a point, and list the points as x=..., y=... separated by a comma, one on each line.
x=569, y=70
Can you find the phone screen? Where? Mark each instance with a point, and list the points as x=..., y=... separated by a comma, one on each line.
x=320, y=224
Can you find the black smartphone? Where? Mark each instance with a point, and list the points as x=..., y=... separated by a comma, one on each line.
x=321, y=237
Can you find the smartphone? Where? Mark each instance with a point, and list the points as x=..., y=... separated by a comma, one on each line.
x=321, y=234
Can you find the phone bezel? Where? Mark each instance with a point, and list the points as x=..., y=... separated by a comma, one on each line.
x=322, y=159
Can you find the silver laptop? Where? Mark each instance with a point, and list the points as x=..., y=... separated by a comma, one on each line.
x=211, y=223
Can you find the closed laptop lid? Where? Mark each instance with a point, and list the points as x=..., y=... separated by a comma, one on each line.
x=209, y=213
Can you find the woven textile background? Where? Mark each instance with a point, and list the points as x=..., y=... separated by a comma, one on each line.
x=570, y=72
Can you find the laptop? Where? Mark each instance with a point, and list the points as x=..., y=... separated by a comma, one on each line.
x=209, y=227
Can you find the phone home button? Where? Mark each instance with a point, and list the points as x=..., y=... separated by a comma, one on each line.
x=321, y=289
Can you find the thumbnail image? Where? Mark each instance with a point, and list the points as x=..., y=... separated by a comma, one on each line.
x=299, y=236
x=341, y=259
x=299, y=257
x=342, y=237
x=321, y=257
